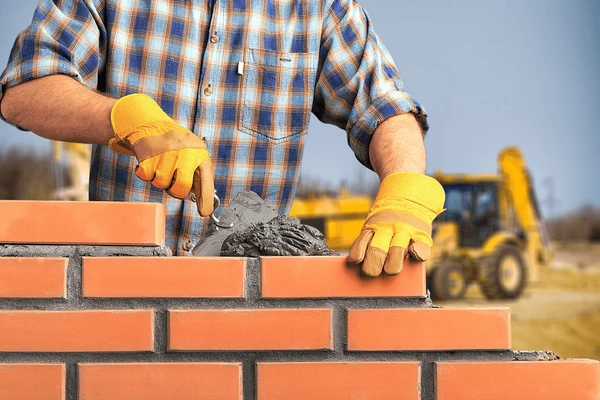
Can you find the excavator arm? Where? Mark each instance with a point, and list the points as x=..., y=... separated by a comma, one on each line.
x=521, y=195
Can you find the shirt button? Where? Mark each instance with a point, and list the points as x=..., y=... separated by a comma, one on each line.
x=208, y=90
x=214, y=38
x=187, y=246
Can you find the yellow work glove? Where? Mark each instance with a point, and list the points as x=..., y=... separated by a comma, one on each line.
x=170, y=156
x=399, y=223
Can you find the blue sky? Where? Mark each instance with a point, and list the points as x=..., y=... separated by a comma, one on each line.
x=490, y=74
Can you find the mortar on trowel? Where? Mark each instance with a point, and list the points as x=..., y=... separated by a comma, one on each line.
x=249, y=227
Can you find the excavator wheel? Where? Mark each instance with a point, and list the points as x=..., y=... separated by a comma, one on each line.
x=448, y=282
x=503, y=274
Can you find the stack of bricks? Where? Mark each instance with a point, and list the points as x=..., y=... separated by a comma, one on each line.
x=92, y=306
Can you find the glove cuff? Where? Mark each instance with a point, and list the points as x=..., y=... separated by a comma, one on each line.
x=420, y=190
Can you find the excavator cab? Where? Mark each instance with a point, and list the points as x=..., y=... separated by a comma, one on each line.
x=473, y=207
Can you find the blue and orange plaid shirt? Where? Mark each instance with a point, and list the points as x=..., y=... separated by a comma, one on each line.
x=244, y=74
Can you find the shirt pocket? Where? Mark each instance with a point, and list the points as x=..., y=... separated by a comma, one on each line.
x=277, y=92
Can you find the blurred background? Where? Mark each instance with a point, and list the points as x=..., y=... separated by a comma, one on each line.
x=490, y=75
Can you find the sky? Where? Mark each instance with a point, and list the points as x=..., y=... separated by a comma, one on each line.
x=490, y=74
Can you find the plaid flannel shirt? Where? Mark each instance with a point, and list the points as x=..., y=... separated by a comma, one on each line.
x=244, y=74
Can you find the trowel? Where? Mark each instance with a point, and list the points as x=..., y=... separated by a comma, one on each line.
x=246, y=209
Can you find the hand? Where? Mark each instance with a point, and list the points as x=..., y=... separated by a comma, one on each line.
x=399, y=223
x=170, y=156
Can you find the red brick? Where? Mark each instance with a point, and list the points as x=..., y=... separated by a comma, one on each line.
x=163, y=277
x=32, y=381
x=71, y=222
x=70, y=331
x=519, y=380
x=33, y=277
x=160, y=381
x=429, y=329
x=273, y=329
x=324, y=277
x=339, y=380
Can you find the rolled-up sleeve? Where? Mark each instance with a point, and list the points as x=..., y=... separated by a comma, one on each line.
x=66, y=37
x=358, y=86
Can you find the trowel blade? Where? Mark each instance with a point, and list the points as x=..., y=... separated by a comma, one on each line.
x=245, y=209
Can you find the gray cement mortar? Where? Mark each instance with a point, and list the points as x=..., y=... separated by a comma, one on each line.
x=253, y=300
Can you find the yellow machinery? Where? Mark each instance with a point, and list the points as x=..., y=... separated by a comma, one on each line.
x=340, y=218
x=77, y=158
x=490, y=233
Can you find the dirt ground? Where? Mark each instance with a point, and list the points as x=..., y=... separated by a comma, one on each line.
x=561, y=312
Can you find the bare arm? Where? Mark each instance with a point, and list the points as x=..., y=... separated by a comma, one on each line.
x=397, y=146
x=58, y=107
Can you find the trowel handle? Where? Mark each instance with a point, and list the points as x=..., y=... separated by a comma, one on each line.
x=214, y=218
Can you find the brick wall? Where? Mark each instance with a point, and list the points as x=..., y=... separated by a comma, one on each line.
x=99, y=310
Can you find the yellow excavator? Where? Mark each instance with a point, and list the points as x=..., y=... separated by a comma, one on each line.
x=491, y=232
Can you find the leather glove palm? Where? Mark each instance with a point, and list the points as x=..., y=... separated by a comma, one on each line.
x=170, y=156
x=399, y=223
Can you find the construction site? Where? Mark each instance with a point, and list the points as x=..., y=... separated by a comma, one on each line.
x=247, y=200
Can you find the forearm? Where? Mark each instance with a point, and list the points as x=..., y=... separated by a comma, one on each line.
x=397, y=146
x=58, y=107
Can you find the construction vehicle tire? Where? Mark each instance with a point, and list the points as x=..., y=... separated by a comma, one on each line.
x=448, y=282
x=503, y=274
